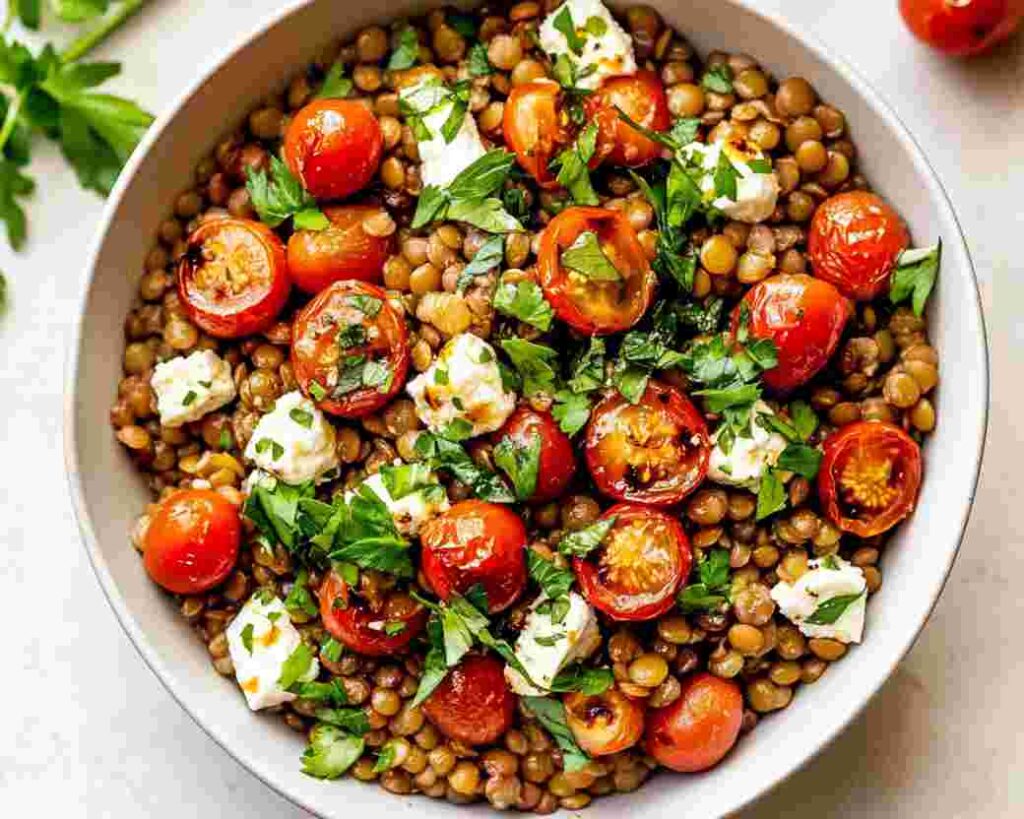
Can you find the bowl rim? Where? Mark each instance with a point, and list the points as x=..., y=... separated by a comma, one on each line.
x=115, y=597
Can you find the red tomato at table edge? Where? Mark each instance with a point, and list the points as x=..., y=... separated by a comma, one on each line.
x=962, y=29
x=350, y=624
x=473, y=703
x=557, y=461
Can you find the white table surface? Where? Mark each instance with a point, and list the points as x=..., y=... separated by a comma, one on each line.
x=87, y=730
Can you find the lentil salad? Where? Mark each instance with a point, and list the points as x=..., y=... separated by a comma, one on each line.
x=531, y=465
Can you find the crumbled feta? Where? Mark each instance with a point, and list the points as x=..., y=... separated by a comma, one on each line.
x=422, y=500
x=260, y=639
x=744, y=461
x=546, y=647
x=187, y=388
x=463, y=385
x=294, y=441
x=757, y=191
x=606, y=50
x=440, y=160
x=828, y=578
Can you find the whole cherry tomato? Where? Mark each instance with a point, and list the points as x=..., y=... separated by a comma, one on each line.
x=641, y=97
x=605, y=723
x=386, y=627
x=233, y=278
x=591, y=304
x=869, y=477
x=476, y=542
x=699, y=728
x=317, y=258
x=472, y=704
x=854, y=241
x=191, y=544
x=803, y=316
x=334, y=147
x=655, y=451
x=528, y=427
x=638, y=568
x=962, y=27
x=350, y=349
x=536, y=128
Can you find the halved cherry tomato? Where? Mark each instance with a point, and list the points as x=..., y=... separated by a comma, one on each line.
x=334, y=147
x=805, y=318
x=375, y=628
x=604, y=723
x=536, y=128
x=699, y=728
x=473, y=703
x=655, y=451
x=350, y=349
x=596, y=307
x=317, y=258
x=854, y=241
x=641, y=97
x=191, y=544
x=557, y=463
x=636, y=571
x=962, y=27
x=475, y=542
x=869, y=477
x=233, y=278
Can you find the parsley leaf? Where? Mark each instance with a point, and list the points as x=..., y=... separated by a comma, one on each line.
x=407, y=52
x=330, y=752
x=829, y=611
x=712, y=587
x=554, y=581
x=571, y=411
x=520, y=462
x=335, y=85
x=479, y=64
x=435, y=667
x=469, y=197
x=718, y=79
x=297, y=664
x=564, y=24
x=726, y=177
x=771, y=495
x=586, y=257
x=525, y=301
x=588, y=367
x=353, y=720
x=274, y=511
x=589, y=681
x=533, y=363
x=280, y=195
x=550, y=713
x=914, y=276
x=490, y=254
x=246, y=637
x=332, y=692
x=584, y=541
x=573, y=173
x=299, y=600
x=450, y=456
x=800, y=458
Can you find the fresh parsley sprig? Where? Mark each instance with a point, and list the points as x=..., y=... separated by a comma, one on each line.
x=914, y=276
x=471, y=197
x=279, y=195
x=712, y=587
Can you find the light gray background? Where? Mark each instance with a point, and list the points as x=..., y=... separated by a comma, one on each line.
x=87, y=730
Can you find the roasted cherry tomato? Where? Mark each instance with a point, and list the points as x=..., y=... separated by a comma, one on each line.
x=604, y=723
x=476, y=543
x=385, y=627
x=472, y=704
x=854, y=241
x=233, y=278
x=636, y=571
x=869, y=477
x=334, y=147
x=699, y=728
x=191, y=544
x=655, y=451
x=962, y=27
x=527, y=428
x=317, y=258
x=805, y=318
x=591, y=305
x=350, y=349
x=536, y=128
x=641, y=97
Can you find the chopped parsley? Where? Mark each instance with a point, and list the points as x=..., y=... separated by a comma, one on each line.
x=524, y=301
x=829, y=611
x=487, y=258
x=572, y=171
x=470, y=197
x=279, y=195
x=586, y=257
x=584, y=541
x=712, y=587
x=275, y=449
x=914, y=276
x=246, y=636
x=718, y=79
x=521, y=462
x=554, y=581
x=301, y=417
x=534, y=363
x=407, y=52
x=189, y=398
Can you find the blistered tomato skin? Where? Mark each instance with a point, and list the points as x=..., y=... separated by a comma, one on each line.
x=696, y=731
x=962, y=28
x=642, y=98
x=318, y=258
x=596, y=307
x=473, y=703
x=233, y=278
x=349, y=620
x=557, y=462
x=192, y=541
x=804, y=317
x=854, y=241
x=536, y=128
x=605, y=723
x=869, y=478
x=476, y=543
x=334, y=147
x=640, y=565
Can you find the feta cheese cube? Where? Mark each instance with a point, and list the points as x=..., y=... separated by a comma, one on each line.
x=757, y=191
x=425, y=498
x=606, y=49
x=187, y=388
x=441, y=160
x=294, y=441
x=463, y=384
x=828, y=600
x=545, y=646
x=261, y=638
x=748, y=456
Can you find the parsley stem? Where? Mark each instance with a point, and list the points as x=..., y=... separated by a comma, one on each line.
x=11, y=118
x=88, y=41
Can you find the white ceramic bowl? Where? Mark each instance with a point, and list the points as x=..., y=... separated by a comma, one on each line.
x=109, y=494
